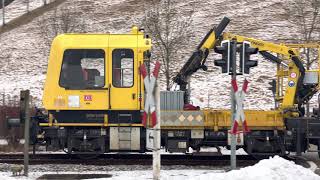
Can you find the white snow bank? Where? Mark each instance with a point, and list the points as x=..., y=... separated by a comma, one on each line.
x=275, y=168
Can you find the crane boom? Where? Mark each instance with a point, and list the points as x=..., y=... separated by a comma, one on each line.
x=199, y=56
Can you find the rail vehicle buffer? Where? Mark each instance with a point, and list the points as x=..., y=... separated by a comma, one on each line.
x=239, y=97
x=150, y=83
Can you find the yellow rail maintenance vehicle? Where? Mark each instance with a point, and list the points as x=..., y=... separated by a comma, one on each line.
x=94, y=95
x=93, y=92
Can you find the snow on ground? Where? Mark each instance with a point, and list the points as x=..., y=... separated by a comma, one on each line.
x=275, y=168
x=3, y=142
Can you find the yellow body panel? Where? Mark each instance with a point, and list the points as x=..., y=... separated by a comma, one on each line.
x=56, y=97
x=256, y=120
x=124, y=98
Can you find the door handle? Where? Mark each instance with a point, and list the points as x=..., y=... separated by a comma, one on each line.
x=133, y=96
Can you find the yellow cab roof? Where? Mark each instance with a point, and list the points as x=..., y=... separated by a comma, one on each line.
x=84, y=40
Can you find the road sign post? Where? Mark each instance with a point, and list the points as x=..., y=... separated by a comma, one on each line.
x=228, y=50
x=232, y=59
x=156, y=134
x=152, y=109
x=24, y=100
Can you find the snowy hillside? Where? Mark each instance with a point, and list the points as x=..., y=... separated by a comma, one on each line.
x=23, y=61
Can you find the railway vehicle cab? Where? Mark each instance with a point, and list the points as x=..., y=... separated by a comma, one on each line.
x=94, y=93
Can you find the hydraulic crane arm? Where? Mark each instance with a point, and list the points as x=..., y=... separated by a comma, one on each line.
x=295, y=89
x=199, y=56
x=260, y=44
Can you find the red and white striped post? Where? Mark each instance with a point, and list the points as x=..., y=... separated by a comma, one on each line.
x=150, y=81
x=239, y=113
x=152, y=106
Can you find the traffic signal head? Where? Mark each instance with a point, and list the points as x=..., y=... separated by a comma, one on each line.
x=273, y=86
x=225, y=62
x=245, y=62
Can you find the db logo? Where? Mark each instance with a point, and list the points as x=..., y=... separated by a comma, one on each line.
x=87, y=98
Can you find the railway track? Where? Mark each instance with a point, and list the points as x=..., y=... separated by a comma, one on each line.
x=129, y=159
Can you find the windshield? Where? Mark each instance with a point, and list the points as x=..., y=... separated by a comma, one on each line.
x=83, y=69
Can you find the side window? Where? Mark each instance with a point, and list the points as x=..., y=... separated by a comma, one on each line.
x=122, y=67
x=83, y=69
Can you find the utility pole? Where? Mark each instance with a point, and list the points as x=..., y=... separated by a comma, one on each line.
x=156, y=134
x=3, y=14
x=228, y=50
x=27, y=6
x=232, y=60
x=25, y=99
x=228, y=64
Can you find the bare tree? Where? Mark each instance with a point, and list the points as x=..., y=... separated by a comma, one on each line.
x=305, y=16
x=170, y=30
x=59, y=21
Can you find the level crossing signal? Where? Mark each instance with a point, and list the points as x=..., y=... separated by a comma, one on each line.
x=227, y=49
x=273, y=86
x=245, y=53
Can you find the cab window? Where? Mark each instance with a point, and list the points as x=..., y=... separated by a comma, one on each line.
x=122, y=68
x=83, y=69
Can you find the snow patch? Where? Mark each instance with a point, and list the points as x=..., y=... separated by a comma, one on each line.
x=21, y=141
x=275, y=168
x=3, y=142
